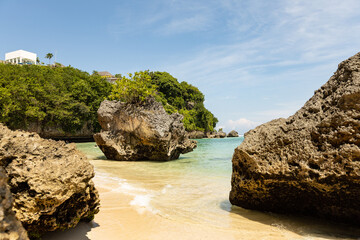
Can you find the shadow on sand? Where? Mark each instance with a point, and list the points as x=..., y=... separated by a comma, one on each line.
x=303, y=225
x=78, y=233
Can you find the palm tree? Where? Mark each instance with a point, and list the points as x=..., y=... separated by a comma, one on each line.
x=49, y=56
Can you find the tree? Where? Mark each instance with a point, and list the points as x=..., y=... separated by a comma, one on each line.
x=37, y=60
x=49, y=56
x=135, y=88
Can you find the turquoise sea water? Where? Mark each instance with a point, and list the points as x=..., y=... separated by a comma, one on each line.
x=195, y=189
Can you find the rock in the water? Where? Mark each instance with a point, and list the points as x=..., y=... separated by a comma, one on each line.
x=142, y=131
x=10, y=226
x=50, y=181
x=220, y=134
x=310, y=162
x=196, y=134
x=233, y=133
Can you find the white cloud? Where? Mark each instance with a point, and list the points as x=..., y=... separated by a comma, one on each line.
x=242, y=125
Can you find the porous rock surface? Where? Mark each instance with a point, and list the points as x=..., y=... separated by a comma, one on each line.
x=10, y=226
x=310, y=162
x=50, y=181
x=233, y=133
x=142, y=131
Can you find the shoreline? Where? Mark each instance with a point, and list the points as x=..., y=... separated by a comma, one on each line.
x=120, y=218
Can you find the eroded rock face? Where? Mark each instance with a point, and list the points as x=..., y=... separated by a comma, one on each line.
x=233, y=133
x=141, y=132
x=196, y=134
x=50, y=181
x=310, y=162
x=10, y=226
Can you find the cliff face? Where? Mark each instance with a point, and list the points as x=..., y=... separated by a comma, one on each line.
x=57, y=132
x=10, y=226
x=50, y=181
x=310, y=162
x=141, y=132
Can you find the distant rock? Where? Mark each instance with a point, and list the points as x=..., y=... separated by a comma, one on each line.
x=310, y=162
x=233, y=133
x=50, y=181
x=10, y=226
x=141, y=132
x=58, y=133
x=196, y=135
x=221, y=134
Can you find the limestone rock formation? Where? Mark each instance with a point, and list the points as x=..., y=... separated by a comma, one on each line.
x=310, y=162
x=141, y=132
x=221, y=134
x=233, y=133
x=50, y=181
x=10, y=226
x=196, y=135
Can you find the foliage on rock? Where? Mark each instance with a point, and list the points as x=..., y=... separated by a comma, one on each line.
x=135, y=88
x=175, y=97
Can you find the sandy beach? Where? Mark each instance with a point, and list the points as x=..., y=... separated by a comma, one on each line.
x=184, y=199
x=118, y=219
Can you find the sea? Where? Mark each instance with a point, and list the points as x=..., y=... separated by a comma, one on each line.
x=194, y=189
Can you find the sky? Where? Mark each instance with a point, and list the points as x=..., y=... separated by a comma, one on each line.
x=254, y=60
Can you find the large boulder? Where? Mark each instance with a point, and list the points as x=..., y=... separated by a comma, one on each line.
x=142, y=131
x=50, y=181
x=310, y=162
x=10, y=226
x=233, y=133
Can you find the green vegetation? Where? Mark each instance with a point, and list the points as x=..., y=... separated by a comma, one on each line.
x=135, y=88
x=67, y=98
x=175, y=97
x=52, y=97
x=49, y=56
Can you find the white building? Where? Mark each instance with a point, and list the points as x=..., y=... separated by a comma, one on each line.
x=20, y=57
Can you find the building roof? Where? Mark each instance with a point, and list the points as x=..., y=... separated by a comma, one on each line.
x=105, y=74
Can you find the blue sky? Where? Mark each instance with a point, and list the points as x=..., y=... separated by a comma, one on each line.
x=255, y=60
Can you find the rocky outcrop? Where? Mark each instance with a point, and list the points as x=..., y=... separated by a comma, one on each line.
x=57, y=132
x=50, y=181
x=196, y=135
x=221, y=134
x=10, y=226
x=215, y=134
x=142, y=131
x=310, y=162
x=233, y=133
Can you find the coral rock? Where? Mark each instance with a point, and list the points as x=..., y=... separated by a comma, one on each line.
x=233, y=133
x=141, y=132
x=50, y=181
x=310, y=162
x=10, y=226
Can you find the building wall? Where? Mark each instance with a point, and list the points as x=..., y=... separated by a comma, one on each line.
x=20, y=56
